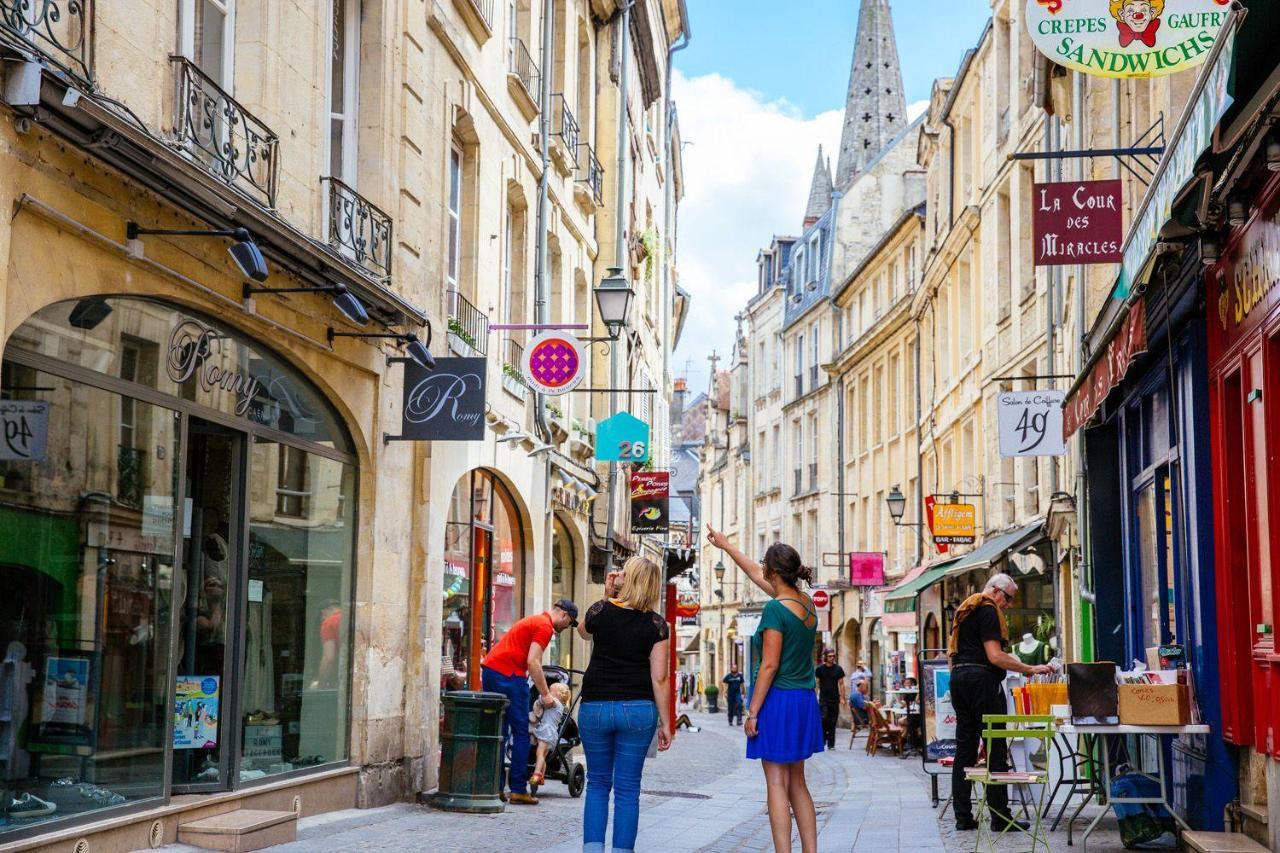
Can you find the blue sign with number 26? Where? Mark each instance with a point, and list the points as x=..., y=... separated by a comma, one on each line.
x=622, y=438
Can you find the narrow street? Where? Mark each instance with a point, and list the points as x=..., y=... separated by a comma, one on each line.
x=703, y=796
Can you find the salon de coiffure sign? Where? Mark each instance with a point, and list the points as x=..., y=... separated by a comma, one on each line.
x=1126, y=38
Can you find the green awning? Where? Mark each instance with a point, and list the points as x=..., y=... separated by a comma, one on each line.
x=994, y=549
x=902, y=598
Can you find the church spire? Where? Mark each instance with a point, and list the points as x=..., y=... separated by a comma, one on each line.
x=819, y=192
x=875, y=110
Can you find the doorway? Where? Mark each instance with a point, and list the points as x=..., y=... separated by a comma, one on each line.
x=211, y=567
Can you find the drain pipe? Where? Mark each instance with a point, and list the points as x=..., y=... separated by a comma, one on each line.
x=541, y=310
x=668, y=196
x=620, y=247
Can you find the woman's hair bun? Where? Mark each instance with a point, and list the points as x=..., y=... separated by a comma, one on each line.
x=784, y=562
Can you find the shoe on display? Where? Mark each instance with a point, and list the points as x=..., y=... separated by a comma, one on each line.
x=29, y=805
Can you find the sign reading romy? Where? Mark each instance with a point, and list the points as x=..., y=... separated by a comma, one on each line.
x=1030, y=423
x=1126, y=38
x=445, y=404
x=1078, y=222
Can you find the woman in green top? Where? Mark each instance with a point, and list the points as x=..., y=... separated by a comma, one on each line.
x=783, y=724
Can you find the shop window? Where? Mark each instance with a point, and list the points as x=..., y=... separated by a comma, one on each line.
x=84, y=624
x=483, y=576
x=1154, y=512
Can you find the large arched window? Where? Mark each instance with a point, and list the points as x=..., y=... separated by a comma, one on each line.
x=483, y=575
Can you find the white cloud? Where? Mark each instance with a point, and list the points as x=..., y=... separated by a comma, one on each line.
x=747, y=167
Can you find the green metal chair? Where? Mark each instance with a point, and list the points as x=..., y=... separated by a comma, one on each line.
x=1014, y=726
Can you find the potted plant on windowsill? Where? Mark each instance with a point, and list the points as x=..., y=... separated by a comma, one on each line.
x=712, y=693
x=461, y=341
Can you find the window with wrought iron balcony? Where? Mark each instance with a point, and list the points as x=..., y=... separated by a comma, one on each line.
x=357, y=229
x=565, y=135
x=60, y=32
x=589, y=187
x=468, y=326
x=524, y=79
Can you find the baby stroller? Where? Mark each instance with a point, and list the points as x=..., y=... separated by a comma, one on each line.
x=561, y=763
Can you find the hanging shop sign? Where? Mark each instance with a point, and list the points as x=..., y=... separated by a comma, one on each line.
x=866, y=568
x=444, y=404
x=622, y=438
x=1128, y=344
x=929, y=503
x=554, y=363
x=24, y=430
x=1077, y=222
x=1030, y=423
x=954, y=524
x=1126, y=38
x=650, y=494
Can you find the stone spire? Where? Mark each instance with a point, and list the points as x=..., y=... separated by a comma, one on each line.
x=819, y=192
x=875, y=110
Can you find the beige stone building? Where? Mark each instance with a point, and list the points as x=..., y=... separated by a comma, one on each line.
x=239, y=588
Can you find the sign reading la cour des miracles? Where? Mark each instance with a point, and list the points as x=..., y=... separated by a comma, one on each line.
x=1078, y=222
x=1126, y=38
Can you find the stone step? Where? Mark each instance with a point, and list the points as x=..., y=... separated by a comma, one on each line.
x=1221, y=842
x=240, y=831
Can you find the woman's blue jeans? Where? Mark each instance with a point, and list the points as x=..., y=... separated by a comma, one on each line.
x=616, y=738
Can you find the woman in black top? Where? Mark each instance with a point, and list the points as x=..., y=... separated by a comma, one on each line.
x=625, y=693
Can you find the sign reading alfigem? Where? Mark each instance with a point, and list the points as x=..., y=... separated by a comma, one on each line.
x=1126, y=38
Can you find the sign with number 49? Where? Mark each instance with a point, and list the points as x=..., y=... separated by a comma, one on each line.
x=24, y=430
x=1030, y=423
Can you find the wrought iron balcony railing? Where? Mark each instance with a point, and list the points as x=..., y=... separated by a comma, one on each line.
x=215, y=129
x=129, y=475
x=813, y=476
x=513, y=360
x=59, y=30
x=590, y=172
x=563, y=123
x=521, y=64
x=358, y=229
x=799, y=484
x=799, y=385
x=813, y=376
x=484, y=8
x=469, y=323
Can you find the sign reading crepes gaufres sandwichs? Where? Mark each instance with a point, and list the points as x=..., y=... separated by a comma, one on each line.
x=1126, y=38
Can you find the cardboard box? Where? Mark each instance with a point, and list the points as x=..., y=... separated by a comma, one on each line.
x=1155, y=704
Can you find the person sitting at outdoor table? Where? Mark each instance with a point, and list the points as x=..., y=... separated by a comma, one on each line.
x=859, y=699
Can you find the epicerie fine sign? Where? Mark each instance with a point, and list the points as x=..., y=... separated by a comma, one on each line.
x=1126, y=38
x=1077, y=222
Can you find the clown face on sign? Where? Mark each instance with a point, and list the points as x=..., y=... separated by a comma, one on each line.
x=1137, y=20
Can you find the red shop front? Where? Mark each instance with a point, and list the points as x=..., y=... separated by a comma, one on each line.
x=1243, y=306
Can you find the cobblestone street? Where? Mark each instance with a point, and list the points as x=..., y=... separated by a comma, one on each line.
x=701, y=797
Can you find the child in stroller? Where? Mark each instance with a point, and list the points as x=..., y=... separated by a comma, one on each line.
x=554, y=757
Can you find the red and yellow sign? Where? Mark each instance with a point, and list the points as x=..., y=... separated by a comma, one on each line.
x=954, y=524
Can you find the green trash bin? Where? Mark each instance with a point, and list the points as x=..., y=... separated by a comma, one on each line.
x=471, y=752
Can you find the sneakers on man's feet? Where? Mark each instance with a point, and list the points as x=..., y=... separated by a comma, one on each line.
x=522, y=799
x=966, y=824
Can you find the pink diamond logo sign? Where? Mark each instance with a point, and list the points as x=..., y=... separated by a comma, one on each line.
x=554, y=363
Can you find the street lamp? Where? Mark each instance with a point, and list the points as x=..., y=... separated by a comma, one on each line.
x=613, y=301
x=897, y=504
x=719, y=570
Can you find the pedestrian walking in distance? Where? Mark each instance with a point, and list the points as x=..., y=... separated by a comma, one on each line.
x=507, y=669
x=733, y=694
x=626, y=695
x=979, y=634
x=831, y=694
x=783, y=725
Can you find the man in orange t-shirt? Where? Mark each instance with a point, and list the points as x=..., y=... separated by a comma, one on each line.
x=507, y=669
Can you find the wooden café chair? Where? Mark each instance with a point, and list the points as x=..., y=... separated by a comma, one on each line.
x=884, y=733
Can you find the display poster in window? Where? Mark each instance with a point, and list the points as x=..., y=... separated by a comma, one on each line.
x=866, y=568
x=195, y=712
x=25, y=430
x=444, y=404
x=1030, y=423
x=64, y=723
x=1077, y=222
x=1126, y=38
x=939, y=713
x=650, y=498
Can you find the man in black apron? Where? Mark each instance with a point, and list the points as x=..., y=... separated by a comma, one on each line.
x=978, y=665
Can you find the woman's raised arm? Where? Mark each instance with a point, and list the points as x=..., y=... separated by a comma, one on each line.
x=751, y=568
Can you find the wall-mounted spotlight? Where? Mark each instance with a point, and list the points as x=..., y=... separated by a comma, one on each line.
x=1273, y=154
x=1237, y=212
x=244, y=251
x=1209, y=249
x=343, y=299
x=415, y=349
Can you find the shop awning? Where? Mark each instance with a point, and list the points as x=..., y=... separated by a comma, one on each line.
x=695, y=645
x=994, y=549
x=902, y=598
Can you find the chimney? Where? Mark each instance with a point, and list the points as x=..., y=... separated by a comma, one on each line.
x=679, y=389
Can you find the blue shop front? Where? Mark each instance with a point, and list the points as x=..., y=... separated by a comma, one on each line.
x=1150, y=508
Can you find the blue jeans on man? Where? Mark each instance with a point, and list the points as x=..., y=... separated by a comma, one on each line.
x=515, y=723
x=616, y=738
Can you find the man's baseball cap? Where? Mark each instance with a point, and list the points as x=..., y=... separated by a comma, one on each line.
x=569, y=607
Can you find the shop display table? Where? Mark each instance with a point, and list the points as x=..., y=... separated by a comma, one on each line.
x=1102, y=733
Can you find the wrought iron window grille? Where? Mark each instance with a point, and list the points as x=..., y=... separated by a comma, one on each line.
x=590, y=172
x=521, y=64
x=563, y=122
x=468, y=322
x=216, y=130
x=358, y=229
x=61, y=31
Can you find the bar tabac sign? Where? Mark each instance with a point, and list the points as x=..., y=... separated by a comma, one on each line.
x=1126, y=38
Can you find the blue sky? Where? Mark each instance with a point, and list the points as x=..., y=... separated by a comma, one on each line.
x=761, y=85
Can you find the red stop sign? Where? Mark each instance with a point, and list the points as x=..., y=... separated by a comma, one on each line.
x=821, y=599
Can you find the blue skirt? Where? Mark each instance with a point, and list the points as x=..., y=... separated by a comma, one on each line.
x=790, y=727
